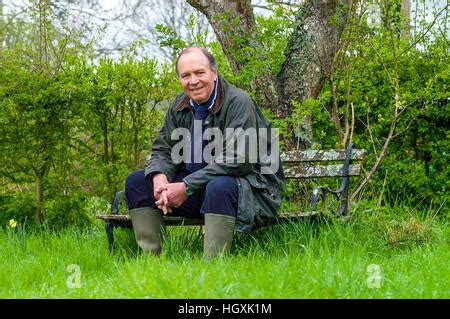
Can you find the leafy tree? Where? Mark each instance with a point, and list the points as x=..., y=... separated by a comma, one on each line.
x=383, y=85
x=312, y=43
x=37, y=102
x=73, y=127
x=126, y=103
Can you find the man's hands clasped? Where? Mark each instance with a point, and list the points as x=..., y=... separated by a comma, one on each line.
x=168, y=195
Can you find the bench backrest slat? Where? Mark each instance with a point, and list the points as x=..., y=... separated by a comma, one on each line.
x=320, y=171
x=320, y=155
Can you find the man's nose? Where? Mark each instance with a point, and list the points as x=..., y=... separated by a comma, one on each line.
x=194, y=79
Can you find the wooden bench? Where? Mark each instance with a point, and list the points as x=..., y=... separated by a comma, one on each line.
x=309, y=164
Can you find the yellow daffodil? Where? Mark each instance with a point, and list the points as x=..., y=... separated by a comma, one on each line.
x=12, y=223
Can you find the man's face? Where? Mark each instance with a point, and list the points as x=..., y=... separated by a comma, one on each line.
x=196, y=76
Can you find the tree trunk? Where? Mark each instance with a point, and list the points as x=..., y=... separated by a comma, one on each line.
x=233, y=23
x=2, y=26
x=309, y=58
x=309, y=55
x=406, y=20
x=39, y=196
x=41, y=173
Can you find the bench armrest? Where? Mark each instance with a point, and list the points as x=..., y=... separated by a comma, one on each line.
x=320, y=192
x=120, y=198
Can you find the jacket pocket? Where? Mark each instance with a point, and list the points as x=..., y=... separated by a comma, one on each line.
x=256, y=181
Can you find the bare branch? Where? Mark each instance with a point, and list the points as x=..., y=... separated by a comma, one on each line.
x=353, y=123
x=334, y=108
x=382, y=191
x=370, y=135
x=419, y=38
x=377, y=162
x=389, y=137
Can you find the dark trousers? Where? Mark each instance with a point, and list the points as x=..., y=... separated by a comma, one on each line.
x=219, y=197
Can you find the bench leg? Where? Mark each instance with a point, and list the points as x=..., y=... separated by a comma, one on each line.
x=109, y=227
x=343, y=209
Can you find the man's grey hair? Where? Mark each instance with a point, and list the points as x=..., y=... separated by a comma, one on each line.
x=209, y=56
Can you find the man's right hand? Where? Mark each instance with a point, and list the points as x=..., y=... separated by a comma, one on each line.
x=160, y=193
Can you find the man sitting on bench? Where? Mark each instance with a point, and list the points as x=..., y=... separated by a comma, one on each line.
x=196, y=171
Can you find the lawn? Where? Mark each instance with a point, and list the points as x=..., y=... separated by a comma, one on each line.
x=386, y=253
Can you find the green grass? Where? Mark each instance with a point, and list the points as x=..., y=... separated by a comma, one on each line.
x=408, y=251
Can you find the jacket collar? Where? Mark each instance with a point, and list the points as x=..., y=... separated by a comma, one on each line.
x=184, y=103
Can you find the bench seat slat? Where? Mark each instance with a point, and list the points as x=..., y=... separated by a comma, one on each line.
x=320, y=155
x=170, y=221
x=309, y=171
x=180, y=221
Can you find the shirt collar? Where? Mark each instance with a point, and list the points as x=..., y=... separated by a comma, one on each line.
x=208, y=104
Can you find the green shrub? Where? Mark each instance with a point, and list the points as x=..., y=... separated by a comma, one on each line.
x=65, y=211
x=20, y=207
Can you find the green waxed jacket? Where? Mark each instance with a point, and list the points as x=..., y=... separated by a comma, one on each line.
x=261, y=182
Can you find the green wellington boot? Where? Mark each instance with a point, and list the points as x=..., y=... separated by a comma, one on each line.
x=147, y=226
x=218, y=234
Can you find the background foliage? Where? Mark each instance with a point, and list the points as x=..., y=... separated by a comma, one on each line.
x=72, y=126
